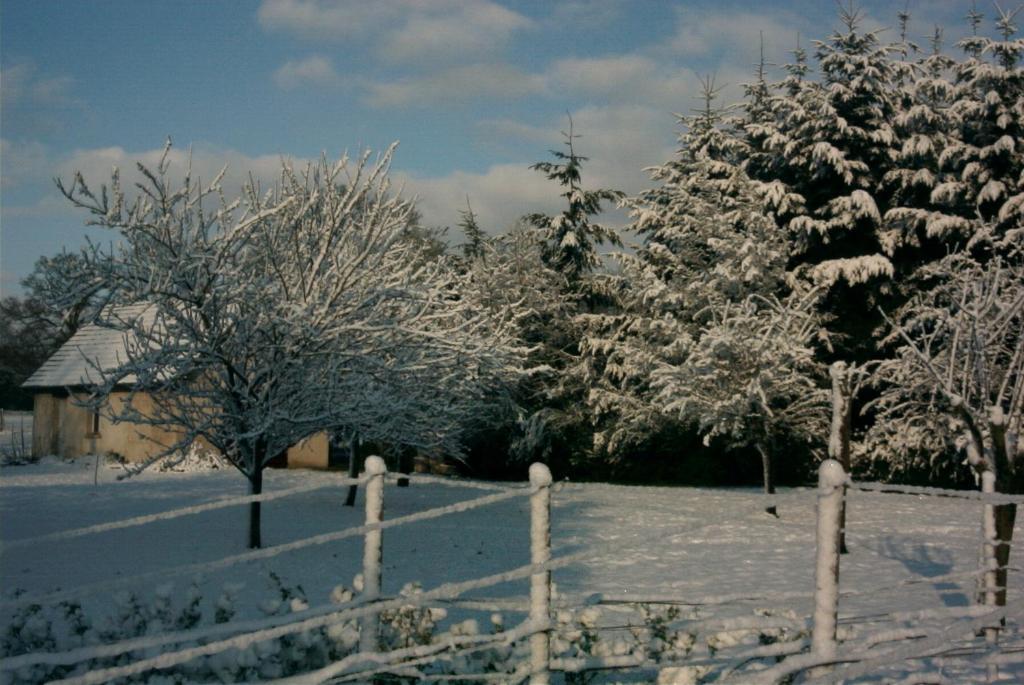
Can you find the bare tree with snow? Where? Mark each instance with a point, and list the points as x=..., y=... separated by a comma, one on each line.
x=957, y=380
x=286, y=312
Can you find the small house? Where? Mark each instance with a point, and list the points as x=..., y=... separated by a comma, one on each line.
x=62, y=426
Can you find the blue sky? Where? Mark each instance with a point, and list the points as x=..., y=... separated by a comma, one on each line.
x=475, y=90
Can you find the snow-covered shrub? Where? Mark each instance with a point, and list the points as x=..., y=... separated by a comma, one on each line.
x=195, y=458
x=65, y=626
x=409, y=625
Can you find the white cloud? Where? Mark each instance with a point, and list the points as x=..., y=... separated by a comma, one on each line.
x=499, y=195
x=628, y=78
x=451, y=32
x=29, y=165
x=400, y=31
x=312, y=71
x=24, y=85
x=459, y=84
x=734, y=36
x=96, y=165
x=619, y=143
x=23, y=162
x=614, y=80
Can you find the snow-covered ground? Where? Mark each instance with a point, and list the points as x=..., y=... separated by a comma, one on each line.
x=686, y=543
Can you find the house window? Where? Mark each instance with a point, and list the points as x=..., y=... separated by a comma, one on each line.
x=94, y=423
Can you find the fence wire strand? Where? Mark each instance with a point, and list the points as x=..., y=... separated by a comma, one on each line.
x=864, y=652
x=177, y=513
x=256, y=554
x=287, y=627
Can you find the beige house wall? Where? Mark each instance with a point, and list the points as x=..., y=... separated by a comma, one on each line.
x=63, y=428
x=45, y=425
x=310, y=453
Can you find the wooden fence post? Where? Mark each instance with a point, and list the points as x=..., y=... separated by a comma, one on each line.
x=831, y=485
x=372, y=552
x=839, y=433
x=990, y=563
x=540, y=583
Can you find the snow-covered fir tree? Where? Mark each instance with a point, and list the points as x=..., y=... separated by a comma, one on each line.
x=981, y=192
x=925, y=126
x=475, y=237
x=572, y=236
x=558, y=424
x=709, y=333
x=843, y=143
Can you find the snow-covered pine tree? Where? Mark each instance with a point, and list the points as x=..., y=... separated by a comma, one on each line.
x=772, y=113
x=708, y=333
x=833, y=140
x=914, y=227
x=981, y=193
x=475, y=236
x=285, y=313
x=650, y=323
x=569, y=247
x=572, y=237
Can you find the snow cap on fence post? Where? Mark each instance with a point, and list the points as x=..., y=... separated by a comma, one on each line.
x=372, y=552
x=831, y=479
x=540, y=583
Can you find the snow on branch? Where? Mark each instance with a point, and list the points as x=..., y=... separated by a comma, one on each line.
x=284, y=313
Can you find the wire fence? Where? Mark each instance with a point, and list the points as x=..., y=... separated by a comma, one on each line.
x=747, y=637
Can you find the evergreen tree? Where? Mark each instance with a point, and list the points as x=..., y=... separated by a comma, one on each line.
x=982, y=189
x=558, y=425
x=924, y=123
x=473, y=248
x=709, y=334
x=845, y=146
x=572, y=236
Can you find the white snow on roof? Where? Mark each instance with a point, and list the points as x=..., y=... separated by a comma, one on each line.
x=92, y=346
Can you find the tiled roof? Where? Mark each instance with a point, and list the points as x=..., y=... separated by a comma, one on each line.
x=70, y=365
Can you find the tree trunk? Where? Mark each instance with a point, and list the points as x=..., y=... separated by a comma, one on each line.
x=839, y=434
x=255, y=488
x=768, y=468
x=405, y=461
x=1006, y=481
x=1003, y=516
x=353, y=469
x=1006, y=515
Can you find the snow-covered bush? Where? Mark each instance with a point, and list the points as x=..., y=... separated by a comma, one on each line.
x=66, y=626
x=410, y=624
x=195, y=458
